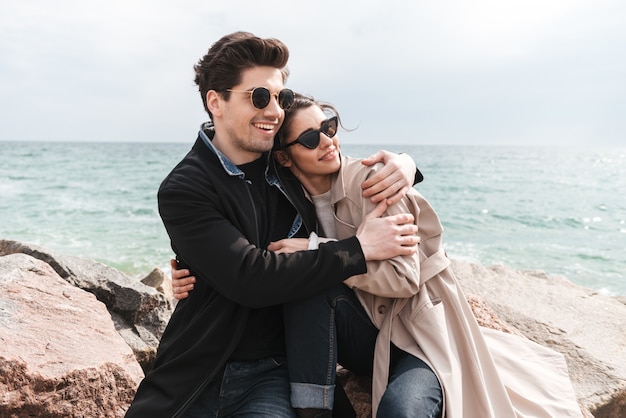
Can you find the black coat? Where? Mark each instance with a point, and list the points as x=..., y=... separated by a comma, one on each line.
x=210, y=219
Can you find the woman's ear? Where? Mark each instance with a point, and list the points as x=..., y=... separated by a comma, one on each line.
x=283, y=158
x=214, y=102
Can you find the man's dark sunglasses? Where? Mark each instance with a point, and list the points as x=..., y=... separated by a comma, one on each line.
x=261, y=97
x=311, y=139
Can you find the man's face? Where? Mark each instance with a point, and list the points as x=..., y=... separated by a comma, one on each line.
x=243, y=132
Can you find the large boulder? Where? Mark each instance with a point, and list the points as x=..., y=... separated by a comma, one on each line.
x=585, y=326
x=140, y=312
x=60, y=355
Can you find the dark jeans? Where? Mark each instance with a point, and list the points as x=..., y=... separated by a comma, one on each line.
x=247, y=389
x=332, y=328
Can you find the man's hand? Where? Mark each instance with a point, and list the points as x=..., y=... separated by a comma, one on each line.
x=182, y=281
x=393, y=180
x=289, y=245
x=388, y=237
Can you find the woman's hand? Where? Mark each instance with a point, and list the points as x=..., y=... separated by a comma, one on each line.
x=182, y=281
x=289, y=245
x=393, y=180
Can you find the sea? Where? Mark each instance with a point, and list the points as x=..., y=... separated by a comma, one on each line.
x=561, y=210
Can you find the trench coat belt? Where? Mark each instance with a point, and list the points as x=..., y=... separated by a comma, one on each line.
x=433, y=265
x=429, y=268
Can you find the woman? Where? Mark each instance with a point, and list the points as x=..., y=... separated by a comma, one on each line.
x=308, y=147
x=406, y=322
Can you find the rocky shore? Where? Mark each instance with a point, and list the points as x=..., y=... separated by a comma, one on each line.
x=76, y=336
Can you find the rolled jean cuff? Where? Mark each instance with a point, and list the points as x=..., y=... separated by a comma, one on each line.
x=307, y=395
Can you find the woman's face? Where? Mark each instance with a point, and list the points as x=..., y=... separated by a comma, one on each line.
x=313, y=167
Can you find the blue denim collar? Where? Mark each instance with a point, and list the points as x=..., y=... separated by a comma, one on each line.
x=231, y=169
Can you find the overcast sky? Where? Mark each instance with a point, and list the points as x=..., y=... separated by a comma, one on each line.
x=502, y=72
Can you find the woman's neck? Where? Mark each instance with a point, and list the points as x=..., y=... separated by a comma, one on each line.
x=316, y=185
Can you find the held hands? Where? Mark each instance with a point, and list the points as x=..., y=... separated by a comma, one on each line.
x=393, y=180
x=387, y=237
x=182, y=282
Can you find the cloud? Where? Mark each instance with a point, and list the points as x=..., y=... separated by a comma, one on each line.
x=451, y=71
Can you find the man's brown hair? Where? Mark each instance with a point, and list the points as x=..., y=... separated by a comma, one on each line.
x=220, y=69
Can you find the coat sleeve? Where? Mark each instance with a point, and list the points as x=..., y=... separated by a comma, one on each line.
x=398, y=277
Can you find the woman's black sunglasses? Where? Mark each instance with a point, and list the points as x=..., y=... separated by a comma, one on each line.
x=261, y=97
x=311, y=139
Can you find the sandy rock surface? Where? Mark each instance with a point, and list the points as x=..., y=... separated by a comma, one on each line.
x=60, y=354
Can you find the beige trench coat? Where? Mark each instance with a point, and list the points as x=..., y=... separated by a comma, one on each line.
x=417, y=304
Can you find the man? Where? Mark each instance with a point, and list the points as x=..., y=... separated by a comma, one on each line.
x=222, y=352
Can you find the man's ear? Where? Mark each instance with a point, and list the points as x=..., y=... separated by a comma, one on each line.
x=283, y=158
x=214, y=102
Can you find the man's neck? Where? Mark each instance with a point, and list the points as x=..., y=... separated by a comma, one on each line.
x=236, y=155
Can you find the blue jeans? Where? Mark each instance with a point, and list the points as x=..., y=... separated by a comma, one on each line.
x=332, y=327
x=247, y=389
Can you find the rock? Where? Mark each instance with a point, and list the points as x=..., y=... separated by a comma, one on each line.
x=154, y=279
x=586, y=327
x=359, y=391
x=583, y=325
x=60, y=355
x=140, y=311
x=161, y=282
x=486, y=317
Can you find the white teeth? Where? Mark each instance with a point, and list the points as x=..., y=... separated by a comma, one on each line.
x=264, y=126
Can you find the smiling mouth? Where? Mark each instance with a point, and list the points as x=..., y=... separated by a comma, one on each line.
x=264, y=126
x=329, y=155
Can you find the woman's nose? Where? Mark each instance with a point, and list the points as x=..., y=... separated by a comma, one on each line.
x=326, y=141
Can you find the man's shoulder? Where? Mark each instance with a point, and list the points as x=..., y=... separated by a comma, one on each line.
x=196, y=167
